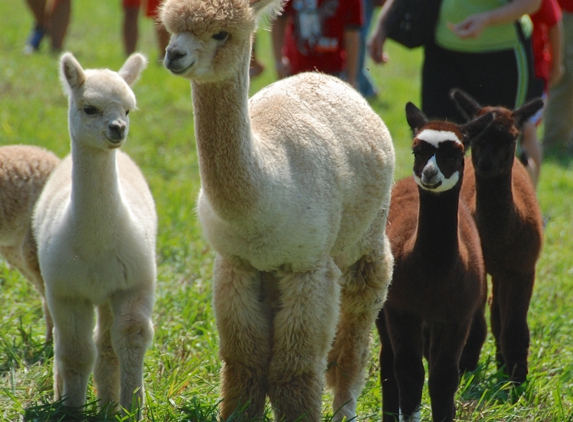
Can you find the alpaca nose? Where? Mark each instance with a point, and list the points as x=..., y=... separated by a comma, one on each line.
x=173, y=54
x=117, y=130
x=429, y=173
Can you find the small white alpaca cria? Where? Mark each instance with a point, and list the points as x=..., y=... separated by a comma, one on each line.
x=95, y=224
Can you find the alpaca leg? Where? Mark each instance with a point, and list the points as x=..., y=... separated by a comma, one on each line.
x=244, y=330
x=495, y=322
x=106, y=371
x=304, y=330
x=74, y=350
x=446, y=346
x=390, y=397
x=131, y=336
x=363, y=293
x=32, y=267
x=514, y=291
x=408, y=346
x=49, y=335
x=474, y=342
x=24, y=259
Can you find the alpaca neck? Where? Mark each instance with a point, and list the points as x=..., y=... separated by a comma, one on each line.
x=494, y=200
x=225, y=144
x=95, y=194
x=437, y=231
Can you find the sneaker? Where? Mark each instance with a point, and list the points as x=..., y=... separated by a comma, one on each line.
x=34, y=40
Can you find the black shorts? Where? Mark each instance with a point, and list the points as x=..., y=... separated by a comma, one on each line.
x=494, y=78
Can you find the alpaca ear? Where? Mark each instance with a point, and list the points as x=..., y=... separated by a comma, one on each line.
x=132, y=68
x=523, y=113
x=475, y=127
x=466, y=104
x=270, y=7
x=416, y=119
x=71, y=73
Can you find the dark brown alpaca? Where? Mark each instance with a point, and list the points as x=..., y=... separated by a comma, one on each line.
x=503, y=202
x=438, y=288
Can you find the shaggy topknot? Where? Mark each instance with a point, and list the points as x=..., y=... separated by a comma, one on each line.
x=212, y=16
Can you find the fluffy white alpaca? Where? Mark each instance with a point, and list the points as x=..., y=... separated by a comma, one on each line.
x=95, y=224
x=24, y=170
x=294, y=199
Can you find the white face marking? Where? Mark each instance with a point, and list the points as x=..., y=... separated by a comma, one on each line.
x=429, y=184
x=434, y=137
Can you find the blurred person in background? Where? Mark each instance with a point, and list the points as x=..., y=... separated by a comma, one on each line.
x=558, y=133
x=482, y=47
x=51, y=19
x=319, y=35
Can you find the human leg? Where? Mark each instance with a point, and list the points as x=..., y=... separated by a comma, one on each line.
x=130, y=27
x=161, y=34
x=59, y=22
x=38, y=9
x=559, y=109
x=366, y=85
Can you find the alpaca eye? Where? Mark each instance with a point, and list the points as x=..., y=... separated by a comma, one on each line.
x=126, y=112
x=90, y=111
x=220, y=36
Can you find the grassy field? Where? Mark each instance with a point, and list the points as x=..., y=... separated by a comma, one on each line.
x=181, y=368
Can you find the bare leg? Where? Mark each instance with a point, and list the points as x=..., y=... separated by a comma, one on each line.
x=245, y=334
x=106, y=372
x=38, y=8
x=304, y=330
x=362, y=296
x=74, y=351
x=531, y=146
x=162, y=39
x=59, y=22
x=131, y=336
x=130, y=29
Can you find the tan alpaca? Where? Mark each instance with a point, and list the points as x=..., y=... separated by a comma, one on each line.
x=96, y=225
x=294, y=199
x=24, y=170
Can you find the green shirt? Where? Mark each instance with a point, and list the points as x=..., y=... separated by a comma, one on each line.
x=493, y=38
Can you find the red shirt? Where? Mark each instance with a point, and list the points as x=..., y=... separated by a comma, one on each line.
x=566, y=5
x=314, y=38
x=547, y=16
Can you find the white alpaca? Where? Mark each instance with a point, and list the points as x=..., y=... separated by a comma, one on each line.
x=294, y=199
x=24, y=170
x=95, y=223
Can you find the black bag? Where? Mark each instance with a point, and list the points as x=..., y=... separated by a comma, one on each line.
x=412, y=22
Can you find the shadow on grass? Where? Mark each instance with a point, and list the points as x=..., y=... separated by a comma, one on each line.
x=482, y=389
x=195, y=411
x=57, y=412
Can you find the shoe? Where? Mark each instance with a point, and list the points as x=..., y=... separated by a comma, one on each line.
x=34, y=40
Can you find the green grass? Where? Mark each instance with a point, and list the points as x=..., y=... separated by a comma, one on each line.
x=182, y=367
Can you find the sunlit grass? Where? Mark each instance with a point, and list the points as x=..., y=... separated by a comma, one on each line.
x=182, y=367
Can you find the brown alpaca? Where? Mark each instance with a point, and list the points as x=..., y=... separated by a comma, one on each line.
x=438, y=288
x=24, y=170
x=502, y=198
x=295, y=190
